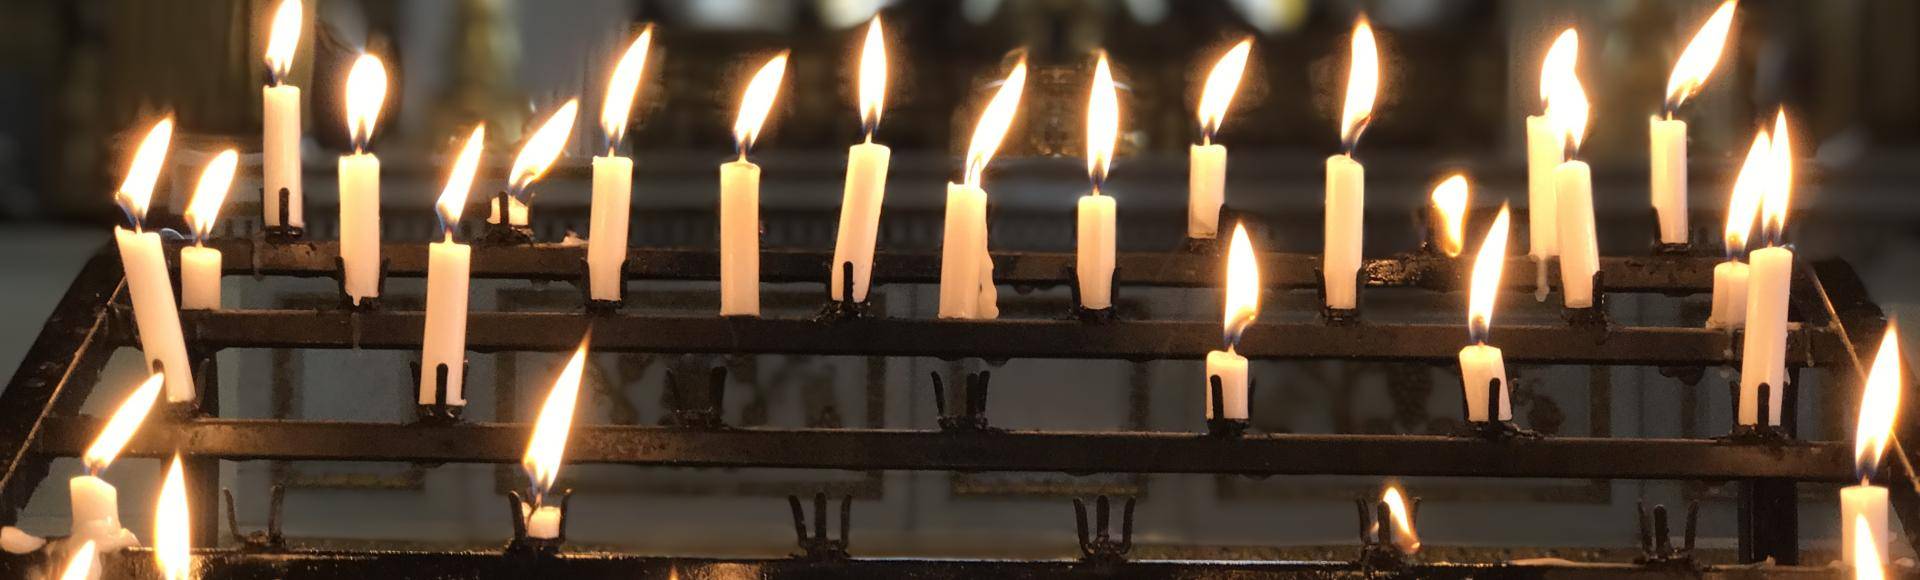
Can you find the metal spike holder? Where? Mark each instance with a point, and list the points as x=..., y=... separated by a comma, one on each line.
x=708, y=416
x=973, y=416
x=368, y=304
x=1656, y=543
x=818, y=547
x=1495, y=429
x=1100, y=548
x=1765, y=431
x=283, y=233
x=846, y=308
x=523, y=544
x=504, y=233
x=268, y=540
x=1218, y=425
x=442, y=412
x=1377, y=552
x=1341, y=316
x=603, y=307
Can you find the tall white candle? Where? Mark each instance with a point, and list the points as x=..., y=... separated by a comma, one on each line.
x=966, y=269
x=449, y=264
x=1579, y=245
x=1346, y=179
x=360, y=182
x=280, y=121
x=1207, y=161
x=144, y=260
x=866, y=185
x=1094, y=259
x=1669, y=135
x=1544, y=150
x=1241, y=306
x=1769, y=279
x=613, y=176
x=740, y=197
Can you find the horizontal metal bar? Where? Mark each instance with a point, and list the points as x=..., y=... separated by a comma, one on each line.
x=1673, y=274
x=1053, y=451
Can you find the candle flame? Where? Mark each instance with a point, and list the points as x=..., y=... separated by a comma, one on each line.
x=538, y=155
x=1697, y=61
x=548, y=446
x=1404, y=536
x=873, y=78
x=994, y=122
x=1561, y=59
x=1450, y=199
x=1243, y=286
x=172, y=539
x=1780, y=188
x=1363, y=82
x=1567, y=106
x=1485, y=286
x=1879, y=404
x=453, y=199
x=80, y=566
x=211, y=192
x=1866, y=551
x=1103, y=123
x=1222, y=83
x=622, y=89
x=757, y=102
x=137, y=191
x=283, y=39
x=122, y=425
x=366, y=91
x=1749, y=188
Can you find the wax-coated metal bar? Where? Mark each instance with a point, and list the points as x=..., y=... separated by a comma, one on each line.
x=1052, y=451
x=991, y=339
x=1675, y=274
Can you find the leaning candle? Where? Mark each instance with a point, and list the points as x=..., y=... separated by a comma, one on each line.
x=866, y=185
x=1346, y=179
x=1094, y=256
x=966, y=268
x=360, y=182
x=613, y=177
x=547, y=448
x=280, y=123
x=443, y=351
x=1242, y=307
x=740, y=197
x=1730, y=277
x=1764, y=354
x=1207, y=161
x=96, y=504
x=1482, y=367
x=1669, y=135
x=200, y=265
x=1579, y=247
x=1879, y=406
x=144, y=259
x=536, y=157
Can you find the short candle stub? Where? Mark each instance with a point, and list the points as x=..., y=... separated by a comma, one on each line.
x=539, y=525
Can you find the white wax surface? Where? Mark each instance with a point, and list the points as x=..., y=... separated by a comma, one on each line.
x=280, y=154
x=1206, y=189
x=360, y=224
x=96, y=505
x=1545, y=151
x=607, y=241
x=1094, y=259
x=1346, y=203
x=963, y=257
x=1479, y=365
x=866, y=189
x=1232, y=370
x=544, y=524
x=445, y=341
x=1764, y=355
x=199, y=278
x=154, y=311
x=739, y=239
x=1863, y=500
x=1729, y=296
x=1579, y=248
x=516, y=212
x=1669, y=172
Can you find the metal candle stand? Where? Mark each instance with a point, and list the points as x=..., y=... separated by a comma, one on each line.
x=268, y=540
x=973, y=414
x=1377, y=530
x=1100, y=548
x=1656, y=541
x=1661, y=248
x=286, y=232
x=1763, y=431
x=817, y=547
x=439, y=412
x=1592, y=317
x=524, y=544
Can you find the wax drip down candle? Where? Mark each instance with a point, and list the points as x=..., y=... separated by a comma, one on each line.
x=173, y=526
x=1730, y=277
x=1242, y=307
x=536, y=157
x=613, y=177
x=1770, y=272
x=1097, y=227
x=740, y=196
x=966, y=269
x=280, y=123
x=1207, y=161
x=96, y=504
x=360, y=182
x=547, y=448
x=1346, y=179
x=1567, y=108
x=1669, y=135
x=1879, y=407
x=144, y=258
x=1481, y=366
x=443, y=349
x=199, y=264
x=866, y=185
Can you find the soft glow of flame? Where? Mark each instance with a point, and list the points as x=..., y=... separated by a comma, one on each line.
x=622, y=88
x=122, y=425
x=1363, y=82
x=1404, y=536
x=548, y=446
x=80, y=566
x=994, y=122
x=1780, y=190
x=283, y=39
x=1103, y=123
x=1749, y=188
x=538, y=155
x=1866, y=551
x=1567, y=107
x=1561, y=59
x=1243, y=286
x=757, y=102
x=172, y=526
x=1450, y=198
x=453, y=199
x=211, y=192
x=1222, y=83
x=1486, y=277
x=873, y=78
x=366, y=91
x=1879, y=404
x=1696, y=62
x=137, y=191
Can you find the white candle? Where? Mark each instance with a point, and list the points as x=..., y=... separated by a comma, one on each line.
x=739, y=239
x=1729, y=296
x=547, y=447
x=1240, y=307
x=612, y=204
x=516, y=212
x=96, y=506
x=1480, y=365
x=1868, y=501
x=1232, y=370
x=1094, y=260
x=1545, y=149
x=1730, y=277
x=449, y=265
x=199, y=278
x=280, y=121
x=543, y=523
x=1864, y=506
x=866, y=189
x=1579, y=248
x=1206, y=189
x=1763, y=356
x=200, y=265
x=1346, y=201
x=154, y=313
x=962, y=251
x=1669, y=172
x=360, y=182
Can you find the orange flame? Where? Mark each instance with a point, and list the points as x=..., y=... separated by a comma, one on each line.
x=1879, y=405
x=994, y=122
x=1567, y=106
x=1697, y=61
x=548, y=446
x=172, y=539
x=204, y=211
x=621, y=90
x=1487, y=266
x=1103, y=123
x=1780, y=189
x=1561, y=59
x=1749, y=188
x=538, y=155
x=1450, y=198
x=80, y=566
x=121, y=427
x=1363, y=83
x=1222, y=83
x=1404, y=536
x=1866, y=551
x=366, y=91
x=1243, y=286
x=283, y=39
x=873, y=78
x=453, y=199
x=137, y=191
x=757, y=102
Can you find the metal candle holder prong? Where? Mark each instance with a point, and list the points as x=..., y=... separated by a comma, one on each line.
x=285, y=232
x=1100, y=547
x=522, y=543
x=1341, y=316
x=1656, y=541
x=846, y=308
x=1377, y=551
x=368, y=304
x=1661, y=248
x=503, y=232
x=1764, y=432
x=268, y=540
x=1093, y=315
x=440, y=412
x=1495, y=428
x=1593, y=316
x=602, y=307
x=708, y=416
x=1218, y=425
x=818, y=546
x=973, y=414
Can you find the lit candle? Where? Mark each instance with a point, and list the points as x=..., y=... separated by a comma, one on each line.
x=1346, y=179
x=547, y=448
x=966, y=268
x=449, y=263
x=1546, y=149
x=866, y=184
x=360, y=182
x=1450, y=202
x=1867, y=503
x=613, y=177
x=81, y=565
x=1242, y=307
x=1482, y=366
x=280, y=122
x=1669, y=135
x=1770, y=272
x=1730, y=277
x=1573, y=191
x=1405, y=538
x=1093, y=263
x=96, y=504
x=145, y=262
x=536, y=157
x=200, y=265
x=740, y=197
x=172, y=537
x=1207, y=161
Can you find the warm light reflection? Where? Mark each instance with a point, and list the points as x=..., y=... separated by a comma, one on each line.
x=1103, y=123
x=1222, y=83
x=1485, y=286
x=1697, y=61
x=1866, y=553
x=210, y=193
x=1879, y=405
x=453, y=199
x=540, y=151
x=1780, y=189
x=994, y=122
x=1243, y=286
x=1404, y=536
x=622, y=88
x=1749, y=188
x=282, y=39
x=757, y=102
x=121, y=427
x=137, y=191
x=80, y=566
x=1562, y=58
x=1567, y=107
x=172, y=526
x=548, y=446
x=1450, y=200
x=1363, y=82
x=366, y=91
x=873, y=78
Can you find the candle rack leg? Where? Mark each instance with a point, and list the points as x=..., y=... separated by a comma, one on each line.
x=1341, y=316
x=1093, y=315
x=846, y=308
x=440, y=411
x=286, y=232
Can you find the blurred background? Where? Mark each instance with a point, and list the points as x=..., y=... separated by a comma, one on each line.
x=81, y=79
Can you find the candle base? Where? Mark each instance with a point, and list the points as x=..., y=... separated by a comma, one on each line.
x=503, y=232
x=437, y=413
x=846, y=309
x=1765, y=431
x=282, y=234
x=1497, y=431
x=526, y=545
x=1656, y=542
x=682, y=400
x=1227, y=428
x=1594, y=316
x=1341, y=316
x=973, y=413
x=1093, y=315
x=267, y=540
x=1216, y=244
x=817, y=547
x=598, y=307
x=367, y=304
x=1663, y=248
